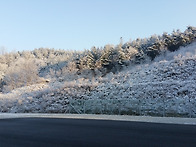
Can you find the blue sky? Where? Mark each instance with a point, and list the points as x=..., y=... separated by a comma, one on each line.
x=81, y=24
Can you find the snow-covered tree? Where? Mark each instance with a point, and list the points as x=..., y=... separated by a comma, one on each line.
x=113, y=58
x=21, y=73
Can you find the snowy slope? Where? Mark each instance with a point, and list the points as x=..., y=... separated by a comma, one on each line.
x=165, y=87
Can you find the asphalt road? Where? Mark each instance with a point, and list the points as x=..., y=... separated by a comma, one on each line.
x=53, y=132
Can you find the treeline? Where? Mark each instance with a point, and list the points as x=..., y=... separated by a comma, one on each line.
x=114, y=58
x=29, y=67
x=25, y=68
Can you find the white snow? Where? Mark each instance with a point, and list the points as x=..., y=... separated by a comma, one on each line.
x=165, y=87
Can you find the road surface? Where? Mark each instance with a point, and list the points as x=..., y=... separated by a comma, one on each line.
x=63, y=132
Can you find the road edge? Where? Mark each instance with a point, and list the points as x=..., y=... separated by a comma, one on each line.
x=149, y=119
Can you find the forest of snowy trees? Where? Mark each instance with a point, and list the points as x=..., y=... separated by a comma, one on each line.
x=28, y=67
x=87, y=69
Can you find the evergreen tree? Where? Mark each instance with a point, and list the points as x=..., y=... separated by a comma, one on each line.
x=113, y=58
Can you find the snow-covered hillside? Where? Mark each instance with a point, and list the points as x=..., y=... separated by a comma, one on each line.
x=164, y=87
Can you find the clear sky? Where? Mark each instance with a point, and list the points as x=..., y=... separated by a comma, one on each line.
x=81, y=24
